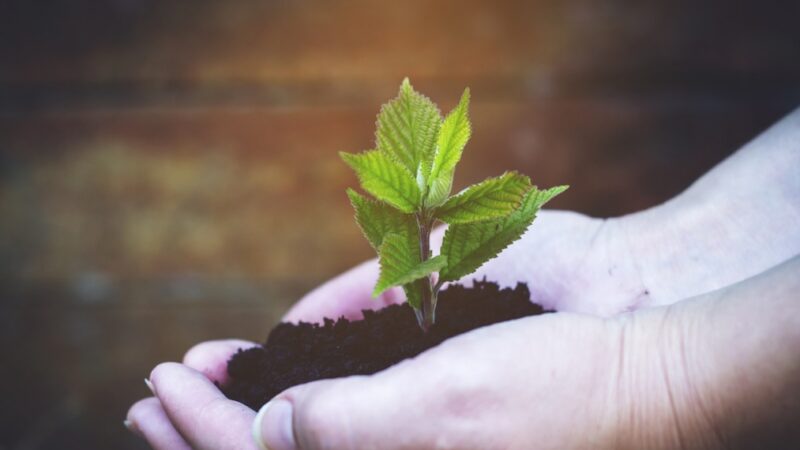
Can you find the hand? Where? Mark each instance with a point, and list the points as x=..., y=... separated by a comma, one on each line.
x=657, y=378
x=151, y=417
x=469, y=376
x=187, y=410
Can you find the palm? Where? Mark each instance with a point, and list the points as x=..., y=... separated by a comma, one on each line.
x=566, y=259
x=571, y=262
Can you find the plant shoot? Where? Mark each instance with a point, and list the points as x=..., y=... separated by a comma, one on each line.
x=410, y=176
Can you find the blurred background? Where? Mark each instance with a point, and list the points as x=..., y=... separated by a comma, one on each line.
x=169, y=169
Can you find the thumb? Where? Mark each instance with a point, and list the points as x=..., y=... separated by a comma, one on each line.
x=345, y=413
x=405, y=407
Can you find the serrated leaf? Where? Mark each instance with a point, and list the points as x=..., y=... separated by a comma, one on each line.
x=377, y=219
x=400, y=263
x=385, y=178
x=438, y=191
x=414, y=292
x=469, y=246
x=407, y=128
x=490, y=199
x=453, y=136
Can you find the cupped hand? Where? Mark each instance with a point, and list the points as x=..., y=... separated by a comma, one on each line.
x=713, y=371
x=571, y=262
x=171, y=417
x=556, y=368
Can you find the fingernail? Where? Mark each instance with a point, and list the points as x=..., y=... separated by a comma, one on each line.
x=272, y=427
x=150, y=386
x=131, y=426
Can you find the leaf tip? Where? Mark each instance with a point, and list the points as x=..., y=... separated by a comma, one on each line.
x=405, y=86
x=465, y=96
x=352, y=195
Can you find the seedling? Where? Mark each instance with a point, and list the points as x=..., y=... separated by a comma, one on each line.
x=410, y=176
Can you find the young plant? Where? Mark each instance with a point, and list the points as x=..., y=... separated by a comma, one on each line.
x=410, y=176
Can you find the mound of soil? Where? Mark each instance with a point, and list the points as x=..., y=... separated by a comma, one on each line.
x=296, y=354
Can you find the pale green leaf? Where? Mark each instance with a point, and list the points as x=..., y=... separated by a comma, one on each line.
x=438, y=190
x=377, y=219
x=400, y=263
x=407, y=127
x=469, y=246
x=386, y=179
x=453, y=136
x=490, y=199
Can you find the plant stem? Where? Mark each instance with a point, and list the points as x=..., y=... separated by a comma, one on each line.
x=437, y=287
x=427, y=316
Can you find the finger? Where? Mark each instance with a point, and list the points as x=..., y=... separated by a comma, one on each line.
x=336, y=413
x=415, y=404
x=372, y=411
x=199, y=411
x=484, y=389
x=346, y=295
x=211, y=358
x=147, y=419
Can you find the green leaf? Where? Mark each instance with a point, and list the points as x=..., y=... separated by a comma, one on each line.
x=490, y=199
x=453, y=136
x=414, y=292
x=386, y=179
x=438, y=190
x=377, y=219
x=468, y=246
x=400, y=263
x=407, y=130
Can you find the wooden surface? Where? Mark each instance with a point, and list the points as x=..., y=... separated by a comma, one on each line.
x=168, y=170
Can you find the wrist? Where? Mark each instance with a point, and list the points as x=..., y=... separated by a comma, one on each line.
x=703, y=241
x=721, y=370
x=657, y=403
x=735, y=222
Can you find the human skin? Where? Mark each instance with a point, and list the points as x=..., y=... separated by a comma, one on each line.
x=652, y=305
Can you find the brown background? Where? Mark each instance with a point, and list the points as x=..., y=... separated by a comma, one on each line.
x=168, y=170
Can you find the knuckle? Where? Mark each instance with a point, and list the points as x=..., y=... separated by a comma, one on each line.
x=195, y=353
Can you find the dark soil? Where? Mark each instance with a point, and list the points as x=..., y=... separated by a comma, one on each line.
x=296, y=354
